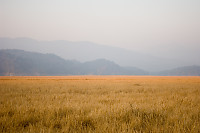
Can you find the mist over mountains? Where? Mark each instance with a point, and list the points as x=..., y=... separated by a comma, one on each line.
x=24, y=63
x=88, y=51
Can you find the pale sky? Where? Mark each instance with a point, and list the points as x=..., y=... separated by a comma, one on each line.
x=159, y=27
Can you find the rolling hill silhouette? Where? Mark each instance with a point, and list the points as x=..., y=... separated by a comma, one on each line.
x=22, y=63
x=87, y=51
x=19, y=62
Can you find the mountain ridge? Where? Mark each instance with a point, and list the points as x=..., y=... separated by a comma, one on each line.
x=86, y=51
x=20, y=62
x=24, y=63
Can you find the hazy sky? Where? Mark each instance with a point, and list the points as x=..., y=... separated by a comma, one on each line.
x=158, y=27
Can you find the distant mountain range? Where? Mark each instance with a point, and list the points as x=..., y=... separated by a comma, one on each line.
x=24, y=63
x=19, y=62
x=87, y=51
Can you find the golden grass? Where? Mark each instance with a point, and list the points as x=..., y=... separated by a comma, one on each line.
x=100, y=104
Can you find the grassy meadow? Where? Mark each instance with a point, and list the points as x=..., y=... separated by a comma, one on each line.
x=100, y=104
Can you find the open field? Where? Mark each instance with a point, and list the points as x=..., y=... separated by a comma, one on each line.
x=100, y=104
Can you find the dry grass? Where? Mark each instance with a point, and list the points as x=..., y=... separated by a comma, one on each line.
x=100, y=104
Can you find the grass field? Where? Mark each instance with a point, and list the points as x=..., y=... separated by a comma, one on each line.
x=100, y=104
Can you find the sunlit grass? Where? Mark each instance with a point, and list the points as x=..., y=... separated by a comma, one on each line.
x=100, y=104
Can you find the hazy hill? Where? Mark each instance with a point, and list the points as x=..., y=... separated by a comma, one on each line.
x=19, y=62
x=181, y=71
x=105, y=67
x=87, y=51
